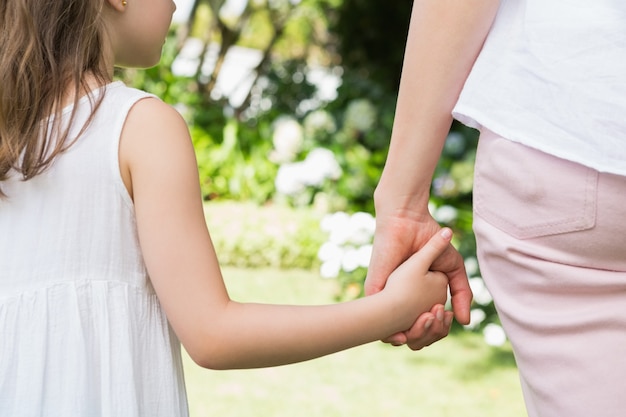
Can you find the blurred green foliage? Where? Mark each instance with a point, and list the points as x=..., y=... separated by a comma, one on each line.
x=252, y=236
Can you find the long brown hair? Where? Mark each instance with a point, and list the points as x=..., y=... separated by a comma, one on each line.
x=47, y=48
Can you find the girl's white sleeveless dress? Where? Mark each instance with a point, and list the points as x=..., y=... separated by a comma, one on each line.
x=82, y=332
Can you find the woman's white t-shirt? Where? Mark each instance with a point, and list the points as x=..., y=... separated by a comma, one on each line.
x=552, y=76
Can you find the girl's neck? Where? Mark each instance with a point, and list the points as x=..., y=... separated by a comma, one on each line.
x=90, y=84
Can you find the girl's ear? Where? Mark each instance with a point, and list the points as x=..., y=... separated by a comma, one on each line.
x=118, y=5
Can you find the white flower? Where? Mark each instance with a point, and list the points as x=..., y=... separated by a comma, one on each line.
x=350, y=260
x=331, y=221
x=494, y=335
x=288, y=179
x=364, y=254
x=361, y=228
x=445, y=214
x=330, y=269
x=359, y=237
x=329, y=251
x=481, y=294
x=337, y=225
x=349, y=241
x=477, y=316
x=287, y=139
x=293, y=177
x=320, y=164
x=363, y=220
x=340, y=234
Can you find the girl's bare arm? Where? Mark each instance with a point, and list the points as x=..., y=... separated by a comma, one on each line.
x=159, y=168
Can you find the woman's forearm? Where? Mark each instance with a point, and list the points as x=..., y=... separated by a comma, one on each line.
x=445, y=37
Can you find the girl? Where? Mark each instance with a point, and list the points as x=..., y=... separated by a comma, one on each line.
x=105, y=259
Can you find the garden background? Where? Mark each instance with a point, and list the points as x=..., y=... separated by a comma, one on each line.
x=290, y=104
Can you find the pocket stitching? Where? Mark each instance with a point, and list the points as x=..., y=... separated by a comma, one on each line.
x=571, y=224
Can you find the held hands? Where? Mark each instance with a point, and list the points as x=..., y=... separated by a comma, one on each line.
x=414, y=288
x=397, y=238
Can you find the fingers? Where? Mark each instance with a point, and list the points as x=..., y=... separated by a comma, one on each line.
x=433, y=329
x=451, y=263
x=395, y=240
x=397, y=339
x=461, y=295
x=378, y=271
x=429, y=328
x=389, y=251
x=435, y=247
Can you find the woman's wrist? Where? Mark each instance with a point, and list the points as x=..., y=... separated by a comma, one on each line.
x=401, y=203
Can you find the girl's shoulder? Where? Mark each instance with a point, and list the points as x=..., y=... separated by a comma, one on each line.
x=155, y=135
x=143, y=112
x=154, y=115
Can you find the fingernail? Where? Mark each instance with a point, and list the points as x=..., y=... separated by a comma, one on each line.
x=428, y=323
x=446, y=233
x=440, y=315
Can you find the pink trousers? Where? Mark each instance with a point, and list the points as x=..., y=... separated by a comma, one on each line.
x=551, y=238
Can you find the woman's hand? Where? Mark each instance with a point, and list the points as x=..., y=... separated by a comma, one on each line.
x=397, y=238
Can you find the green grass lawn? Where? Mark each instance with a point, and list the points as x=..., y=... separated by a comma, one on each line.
x=458, y=376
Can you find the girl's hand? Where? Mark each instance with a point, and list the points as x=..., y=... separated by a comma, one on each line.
x=415, y=288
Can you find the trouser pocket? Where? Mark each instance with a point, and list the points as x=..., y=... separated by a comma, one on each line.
x=528, y=193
